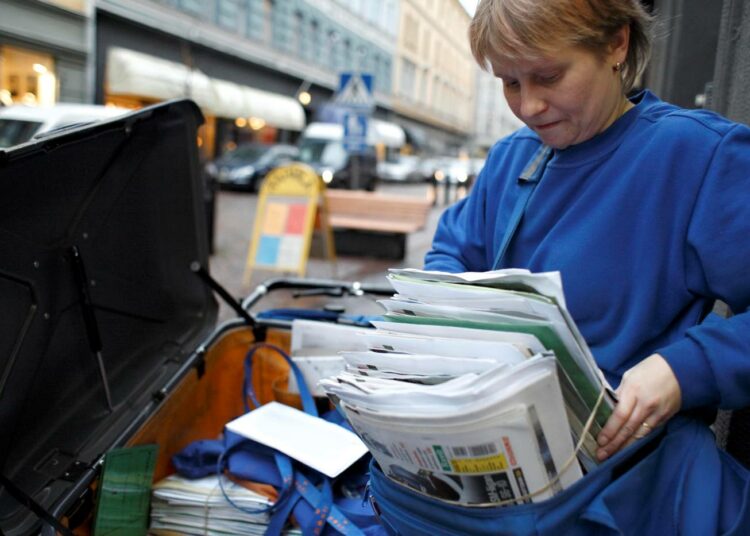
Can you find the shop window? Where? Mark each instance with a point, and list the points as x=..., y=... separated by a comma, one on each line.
x=26, y=77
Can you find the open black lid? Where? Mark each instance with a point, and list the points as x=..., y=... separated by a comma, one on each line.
x=127, y=196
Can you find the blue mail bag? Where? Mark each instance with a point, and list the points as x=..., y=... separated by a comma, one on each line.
x=320, y=505
x=674, y=481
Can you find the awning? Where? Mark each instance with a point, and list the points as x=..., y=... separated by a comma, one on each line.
x=134, y=73
x=387, y=133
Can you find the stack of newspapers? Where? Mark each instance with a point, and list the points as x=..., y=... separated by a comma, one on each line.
x=199, y=506
x=476, y=388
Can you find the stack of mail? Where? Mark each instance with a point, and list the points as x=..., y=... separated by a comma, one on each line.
x=183, y=506
x=475, y=387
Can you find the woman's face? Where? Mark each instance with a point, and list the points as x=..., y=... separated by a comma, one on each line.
x=567, y=97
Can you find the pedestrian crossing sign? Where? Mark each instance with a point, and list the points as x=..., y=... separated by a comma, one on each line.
x=355, y=91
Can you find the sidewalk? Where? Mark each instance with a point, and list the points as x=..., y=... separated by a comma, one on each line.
x=235, y=214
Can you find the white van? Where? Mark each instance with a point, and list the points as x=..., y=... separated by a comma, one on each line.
x=321, y=146
x=19, y=124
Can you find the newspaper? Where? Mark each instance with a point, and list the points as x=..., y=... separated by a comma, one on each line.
x=198, y=506
x=478, y=439
x=464, y=465
x=532, y=303
x=476, y=388
x=315, y=347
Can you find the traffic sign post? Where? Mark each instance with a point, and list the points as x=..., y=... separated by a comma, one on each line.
x=355, y=131
x=356, y=97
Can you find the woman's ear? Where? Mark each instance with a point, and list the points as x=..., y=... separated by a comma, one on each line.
x=618, y=48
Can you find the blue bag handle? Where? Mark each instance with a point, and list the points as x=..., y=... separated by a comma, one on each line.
x=295, y=485
x=308, y=403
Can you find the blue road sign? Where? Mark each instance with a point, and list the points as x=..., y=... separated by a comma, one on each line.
x=355, y=91
x=355, y=131
x=356, y=98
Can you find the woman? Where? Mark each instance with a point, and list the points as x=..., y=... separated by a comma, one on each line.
x=642, y=207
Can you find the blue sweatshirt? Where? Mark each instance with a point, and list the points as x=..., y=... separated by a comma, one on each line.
x=648, y=223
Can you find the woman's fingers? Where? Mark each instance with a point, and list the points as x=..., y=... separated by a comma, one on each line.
x=617, y=426
x=648, y=395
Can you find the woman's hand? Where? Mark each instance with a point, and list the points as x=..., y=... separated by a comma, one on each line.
x=648, y=395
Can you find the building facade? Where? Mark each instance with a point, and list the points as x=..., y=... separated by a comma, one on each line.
x=247, y=62
x=434, y=74
x=244, y=61
x=44, y=51
x=493, y=118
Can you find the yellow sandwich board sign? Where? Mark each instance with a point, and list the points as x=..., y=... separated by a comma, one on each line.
x=290, y=200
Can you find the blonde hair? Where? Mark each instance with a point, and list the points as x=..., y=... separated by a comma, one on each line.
x=517, y=28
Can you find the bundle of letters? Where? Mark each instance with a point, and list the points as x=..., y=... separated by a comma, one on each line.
x=475, y=388
x=183, y=506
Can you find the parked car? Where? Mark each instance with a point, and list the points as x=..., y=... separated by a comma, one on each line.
x=427, y=168
x=245, y=167
x=401, y=169
x=454, y=171
x=322, y=148
x=458, y=171
x=20, y=123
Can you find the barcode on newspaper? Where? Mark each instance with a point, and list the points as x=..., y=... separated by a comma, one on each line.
x=485, y=449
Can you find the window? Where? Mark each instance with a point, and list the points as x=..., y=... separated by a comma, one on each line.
x=298, y=33
x=315, y=40
x=15, y=131
x=268, y=6
x=408, y=75
x=411, y=33
x=334, y=52
x=347, y=54
x=26, y=77
x=193, y=7
x=386, y=84
x=425, y=79
x=425, y=53
x=229, y=15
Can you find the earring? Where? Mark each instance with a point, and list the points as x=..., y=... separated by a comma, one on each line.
x=617, y=67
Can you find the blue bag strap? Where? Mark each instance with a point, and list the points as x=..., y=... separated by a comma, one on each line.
x=295, y=484
x=325, y=509
x=308, y=403
x=279, y=518
x=528, y=180
x=284, y=466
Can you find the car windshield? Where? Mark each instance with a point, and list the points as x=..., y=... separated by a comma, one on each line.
x=322, y=152
x=15, y=131
x=246, y=152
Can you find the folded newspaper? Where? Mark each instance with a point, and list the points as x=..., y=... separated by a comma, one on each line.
x=476, y=388
x=199, y=506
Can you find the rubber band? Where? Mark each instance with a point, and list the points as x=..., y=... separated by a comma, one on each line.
x=523, y=498
x=568, y=463
x=207, y=506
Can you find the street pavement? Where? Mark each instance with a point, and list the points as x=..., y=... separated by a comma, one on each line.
x=234, y=219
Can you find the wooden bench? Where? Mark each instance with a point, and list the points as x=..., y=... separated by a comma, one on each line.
x=365, y=219
x=388, y=213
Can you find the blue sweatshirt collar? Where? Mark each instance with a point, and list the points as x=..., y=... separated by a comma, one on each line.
x=607, y=141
